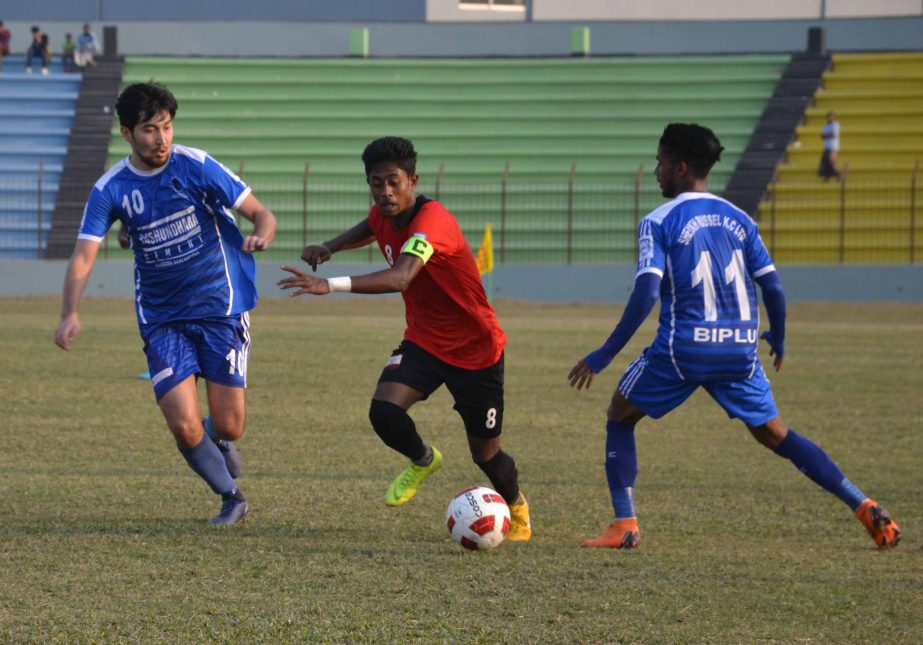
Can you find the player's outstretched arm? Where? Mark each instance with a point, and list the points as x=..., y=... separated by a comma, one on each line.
x=264, y=225
x=395, y=279
x=357, y=236
x=642, y=300
x=75, y=283
x=774, y=299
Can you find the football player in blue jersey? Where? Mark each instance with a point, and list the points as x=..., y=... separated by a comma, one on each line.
x=701, y=256
x=195, y=280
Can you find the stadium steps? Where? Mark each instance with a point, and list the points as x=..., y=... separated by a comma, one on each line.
x=87, y=153
x=878, y=100
x=36, y=116
x=775, y=130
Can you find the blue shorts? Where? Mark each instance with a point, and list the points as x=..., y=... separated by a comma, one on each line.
x=655, y=388
x=214, y=348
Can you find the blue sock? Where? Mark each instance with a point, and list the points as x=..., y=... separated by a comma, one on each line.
x=210, y=429
x=208, y=463
x=811, y=460
x=621, y=467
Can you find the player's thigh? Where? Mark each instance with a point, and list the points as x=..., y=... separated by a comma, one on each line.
x=180, y=407
x=410, y=375
x=223, y=346
x=478, y=398
x=172, y=355
x=749, y=400
x=651, y=389
x=227, y=406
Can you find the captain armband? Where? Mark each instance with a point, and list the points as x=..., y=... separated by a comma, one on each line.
x=419, y=247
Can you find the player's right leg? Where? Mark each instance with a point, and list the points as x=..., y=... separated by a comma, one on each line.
x=644, y=390
x=388, y=416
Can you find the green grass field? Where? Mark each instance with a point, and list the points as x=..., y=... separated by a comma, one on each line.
x=102, y=534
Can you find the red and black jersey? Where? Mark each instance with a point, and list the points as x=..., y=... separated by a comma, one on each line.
x=447, y=310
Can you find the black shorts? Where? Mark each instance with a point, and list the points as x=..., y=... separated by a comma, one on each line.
x=478, y=394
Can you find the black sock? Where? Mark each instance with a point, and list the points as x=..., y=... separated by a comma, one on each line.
x=503, y=475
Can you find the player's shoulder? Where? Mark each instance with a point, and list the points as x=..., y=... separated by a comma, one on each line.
x=189, y=154
x=118, y=173
x=434, y=211
x=691, y=203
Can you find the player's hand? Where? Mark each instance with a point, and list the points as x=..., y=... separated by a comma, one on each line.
x=581, y=375
x=315, y=254
x=253, y=244
x=67, y=330
x=124, y=242
x=305, y=283
x=776, y=349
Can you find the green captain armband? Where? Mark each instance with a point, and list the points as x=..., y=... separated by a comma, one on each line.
x=419, y=247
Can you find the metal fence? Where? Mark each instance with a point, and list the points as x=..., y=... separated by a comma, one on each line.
x=850, y=221
x=560, y=221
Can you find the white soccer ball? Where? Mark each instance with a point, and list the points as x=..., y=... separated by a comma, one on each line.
x=478, y=518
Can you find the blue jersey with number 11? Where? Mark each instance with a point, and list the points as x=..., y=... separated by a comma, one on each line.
x=708, y=253
x=187, y=247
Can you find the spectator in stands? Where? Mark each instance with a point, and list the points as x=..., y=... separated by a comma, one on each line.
x=831, y=137
x=4, y=43
x=87, y=47
x=38, y=48
x=67, y=53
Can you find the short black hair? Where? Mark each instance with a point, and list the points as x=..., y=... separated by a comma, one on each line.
x=395, y=150
x=141, y=101
x=696, y=145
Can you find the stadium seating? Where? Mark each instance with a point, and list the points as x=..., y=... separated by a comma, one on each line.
x=472, y=119
x=878, y=101
x=36, y=114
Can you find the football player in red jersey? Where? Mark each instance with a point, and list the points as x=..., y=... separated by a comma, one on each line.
x=452, y=336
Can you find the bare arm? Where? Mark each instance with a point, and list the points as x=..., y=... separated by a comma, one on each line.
x=397, y=278
x=264, y=224
x=75, y=283
x=353, y=238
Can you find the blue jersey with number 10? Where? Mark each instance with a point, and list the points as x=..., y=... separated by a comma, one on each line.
x=187, y=247
x=708, y=253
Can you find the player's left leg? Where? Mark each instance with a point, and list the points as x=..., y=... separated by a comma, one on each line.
x=810, y=459
x=223, y=349
x=752, y=402
x=645, y=389
x=478, y=398
x=225, y=422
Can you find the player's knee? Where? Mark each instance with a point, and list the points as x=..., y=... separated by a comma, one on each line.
x=187, y=433
x=481, y=423
x=387, y=419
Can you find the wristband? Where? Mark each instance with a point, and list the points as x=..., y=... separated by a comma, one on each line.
x=344, y=283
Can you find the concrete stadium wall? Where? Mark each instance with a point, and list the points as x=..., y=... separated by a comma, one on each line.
x=481, y=39
x=539, y=283
x=449, y=10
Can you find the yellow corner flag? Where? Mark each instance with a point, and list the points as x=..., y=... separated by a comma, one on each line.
x=485, y=255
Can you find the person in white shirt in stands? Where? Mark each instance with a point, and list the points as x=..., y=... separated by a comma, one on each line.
x=831, y=136
x=87, y=47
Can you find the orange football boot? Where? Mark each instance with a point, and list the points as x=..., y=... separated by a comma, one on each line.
x=621, y=534
x=884, y=531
